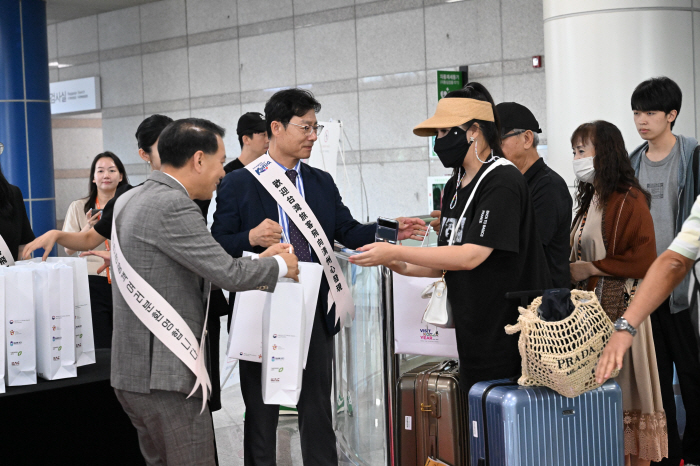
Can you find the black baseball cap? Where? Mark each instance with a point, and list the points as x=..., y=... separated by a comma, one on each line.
x=251, y=123
x=516, y=116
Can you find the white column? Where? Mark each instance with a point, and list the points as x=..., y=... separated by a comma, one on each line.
x=598, y=51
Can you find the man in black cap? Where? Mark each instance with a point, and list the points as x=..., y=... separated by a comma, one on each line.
x=252, y=135
x=550, y=195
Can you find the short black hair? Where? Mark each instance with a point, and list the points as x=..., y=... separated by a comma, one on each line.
x=182, y=138
x=286, y=104
x=658, y=94
x=149, y=130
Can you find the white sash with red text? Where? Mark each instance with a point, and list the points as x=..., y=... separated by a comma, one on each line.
x=157, y=314
x=285, y=193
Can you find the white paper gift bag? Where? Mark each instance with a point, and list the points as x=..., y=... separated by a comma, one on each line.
x=55, y=321
x=283, y=345
x=84, y=336
x=20, y=332
x=246, y=333
x=411, y=334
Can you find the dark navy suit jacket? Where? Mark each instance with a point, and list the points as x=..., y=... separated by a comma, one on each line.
x=242, y=203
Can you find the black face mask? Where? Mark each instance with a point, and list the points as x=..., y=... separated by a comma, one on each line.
x=452, y=148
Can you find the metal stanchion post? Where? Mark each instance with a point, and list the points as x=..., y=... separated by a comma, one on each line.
x=390, y=366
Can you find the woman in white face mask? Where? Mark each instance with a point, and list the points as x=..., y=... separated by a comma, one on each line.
x=612, y=246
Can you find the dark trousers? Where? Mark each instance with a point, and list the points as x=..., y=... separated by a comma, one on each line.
x=218, y=306
x=318, y=447
x=676, y=342
x=101, y=305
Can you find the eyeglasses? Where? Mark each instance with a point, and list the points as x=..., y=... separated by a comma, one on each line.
x=309, y=129
x=506, y=136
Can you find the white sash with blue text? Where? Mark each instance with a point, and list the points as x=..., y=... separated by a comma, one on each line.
x=288, y=197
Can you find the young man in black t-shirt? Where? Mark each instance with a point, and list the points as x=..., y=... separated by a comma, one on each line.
x=253, y=138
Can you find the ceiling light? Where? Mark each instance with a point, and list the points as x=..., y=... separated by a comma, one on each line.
x=56, y=64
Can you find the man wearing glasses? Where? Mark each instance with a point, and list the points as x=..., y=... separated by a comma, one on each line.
x=243, y=204
x=550, y=195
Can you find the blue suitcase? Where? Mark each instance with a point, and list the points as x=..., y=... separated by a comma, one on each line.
x=535, y=426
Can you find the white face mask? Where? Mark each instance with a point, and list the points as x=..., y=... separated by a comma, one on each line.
x=583, y=169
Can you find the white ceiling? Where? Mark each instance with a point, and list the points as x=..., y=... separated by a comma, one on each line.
x=63, y=10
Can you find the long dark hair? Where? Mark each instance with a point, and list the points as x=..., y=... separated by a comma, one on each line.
x=490, y=129
x=92, y=197
x=613, y=170
x=7, y=207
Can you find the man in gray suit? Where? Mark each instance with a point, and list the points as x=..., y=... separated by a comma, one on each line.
x=163, y=238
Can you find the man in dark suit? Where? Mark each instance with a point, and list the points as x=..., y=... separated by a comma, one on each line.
x=243, y=204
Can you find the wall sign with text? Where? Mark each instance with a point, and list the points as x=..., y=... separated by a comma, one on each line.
x=76, y=95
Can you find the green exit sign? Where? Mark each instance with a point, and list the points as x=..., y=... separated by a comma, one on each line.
x=448, y=81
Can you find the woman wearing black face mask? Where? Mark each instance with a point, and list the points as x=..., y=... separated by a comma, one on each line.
x=496, y=249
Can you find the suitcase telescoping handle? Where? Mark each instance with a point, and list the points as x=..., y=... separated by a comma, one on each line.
x=433, y=406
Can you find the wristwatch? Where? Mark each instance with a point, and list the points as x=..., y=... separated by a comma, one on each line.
x=622, y=324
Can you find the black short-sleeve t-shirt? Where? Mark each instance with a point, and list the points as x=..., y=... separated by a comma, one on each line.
x=501, y=217
x=104, y=224
x=15, y=229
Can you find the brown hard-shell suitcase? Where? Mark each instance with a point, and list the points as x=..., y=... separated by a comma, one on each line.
x=432, y=416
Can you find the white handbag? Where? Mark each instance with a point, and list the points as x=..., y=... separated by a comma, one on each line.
x=439, y=311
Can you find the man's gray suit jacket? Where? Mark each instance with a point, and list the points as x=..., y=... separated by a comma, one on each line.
x=163, y=237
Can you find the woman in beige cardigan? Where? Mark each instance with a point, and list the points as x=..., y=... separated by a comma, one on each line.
x=106, y=175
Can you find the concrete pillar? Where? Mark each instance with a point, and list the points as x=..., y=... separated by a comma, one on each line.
x=597, y=51
x=25, y=110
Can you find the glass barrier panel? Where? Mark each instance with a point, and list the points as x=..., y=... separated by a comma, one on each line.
x=358, y=380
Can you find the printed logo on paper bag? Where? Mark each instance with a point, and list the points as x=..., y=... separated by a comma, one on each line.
x=428, y=334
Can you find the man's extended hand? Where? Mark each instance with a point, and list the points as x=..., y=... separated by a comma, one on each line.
x=105, y=255
x=411, y=227
x=266, y=234
x=278, y=248
x=612, y=356
x=292, y=265
x=436, y=223
x=45, y=242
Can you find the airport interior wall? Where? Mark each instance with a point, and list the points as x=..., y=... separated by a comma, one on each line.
x=371, y=64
